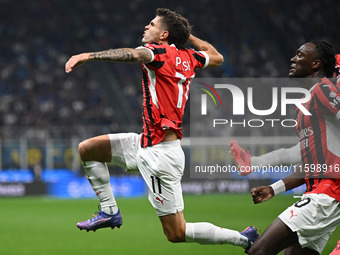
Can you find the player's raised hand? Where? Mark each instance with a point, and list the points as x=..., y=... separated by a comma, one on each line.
x=262, y=194
x=76, y=61
x=240, y=157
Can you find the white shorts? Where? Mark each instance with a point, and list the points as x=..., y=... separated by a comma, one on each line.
x=313, y=218
x=161, y=167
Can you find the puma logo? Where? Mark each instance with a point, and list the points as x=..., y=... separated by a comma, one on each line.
x=160, y=200
x=292, y=214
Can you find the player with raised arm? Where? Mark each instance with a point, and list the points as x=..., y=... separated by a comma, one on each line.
x=290, y=156
x=305, y=227
x=168, y=69
x=245, y=161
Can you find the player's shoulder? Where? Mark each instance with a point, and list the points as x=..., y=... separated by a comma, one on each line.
x=325, y=89
x=325, y=83
x=193, y=54
x=154, y=45
x=169, y=48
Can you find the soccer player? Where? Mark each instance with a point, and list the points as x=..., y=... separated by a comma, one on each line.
x=245, y=161
x=305, y=227
x=168, y=69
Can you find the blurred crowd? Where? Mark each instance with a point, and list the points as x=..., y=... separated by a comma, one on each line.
x=37, y=98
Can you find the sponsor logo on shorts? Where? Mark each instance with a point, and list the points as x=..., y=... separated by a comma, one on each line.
x=160, y=200
x=292, y=214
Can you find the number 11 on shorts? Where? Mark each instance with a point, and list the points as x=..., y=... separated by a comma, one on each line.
x=155, y=179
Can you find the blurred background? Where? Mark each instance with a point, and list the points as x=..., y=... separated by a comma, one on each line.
x=45, y=113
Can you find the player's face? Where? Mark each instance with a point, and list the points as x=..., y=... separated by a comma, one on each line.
x=154, y=32
x=303, y=61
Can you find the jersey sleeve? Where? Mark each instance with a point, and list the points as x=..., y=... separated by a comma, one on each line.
x=143, y=47
x=328, y=97
x=201, y=58
x=157, y=51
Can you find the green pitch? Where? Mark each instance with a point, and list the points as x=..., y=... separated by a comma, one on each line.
x=48, y=226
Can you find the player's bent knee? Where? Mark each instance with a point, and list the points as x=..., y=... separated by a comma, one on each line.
x=174, y=227
x=82, y=149
x=175, y=237
x=86, y=150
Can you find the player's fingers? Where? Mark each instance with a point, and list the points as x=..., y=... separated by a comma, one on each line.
x=68, y=68
x=254, y=190
x=231, y=147
x=69, y=65
x=257, y=199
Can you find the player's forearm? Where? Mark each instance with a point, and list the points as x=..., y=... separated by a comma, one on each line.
x=277, y=157
x=125, y=55
x=294, y=180
x=199, y=44
x=215, y=58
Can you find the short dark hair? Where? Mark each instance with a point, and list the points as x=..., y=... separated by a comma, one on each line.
x=326, y=54
x=178, y=27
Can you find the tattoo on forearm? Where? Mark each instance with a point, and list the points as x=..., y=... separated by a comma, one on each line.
x=145, y=56
x=116, y=55
x=124, y=55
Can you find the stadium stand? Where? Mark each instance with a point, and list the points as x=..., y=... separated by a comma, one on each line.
x=38, y=100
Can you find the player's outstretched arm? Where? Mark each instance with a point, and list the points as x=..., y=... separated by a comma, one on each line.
x=245, y=161
x=123, y=55
x=215, y=58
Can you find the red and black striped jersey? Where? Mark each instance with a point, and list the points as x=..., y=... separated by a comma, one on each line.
x=319, y=135
x=166, y=83
x=337, y=69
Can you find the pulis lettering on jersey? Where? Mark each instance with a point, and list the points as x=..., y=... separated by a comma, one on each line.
x=185, y=64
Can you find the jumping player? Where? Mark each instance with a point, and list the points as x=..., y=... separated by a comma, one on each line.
x=168, y=69
x=305, y=227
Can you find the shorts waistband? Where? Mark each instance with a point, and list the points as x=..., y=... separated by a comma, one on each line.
x=168, y=144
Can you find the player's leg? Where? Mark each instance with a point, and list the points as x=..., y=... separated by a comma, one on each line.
x=94, y=153
x=298, y=250
x=165, y=194
x=95, y=149
x=275, y=238
x=174, y=227
x=313, y=219
x=177, y=230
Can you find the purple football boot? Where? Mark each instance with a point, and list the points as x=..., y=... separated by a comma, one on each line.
x=102, y=220
x=252, y=235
